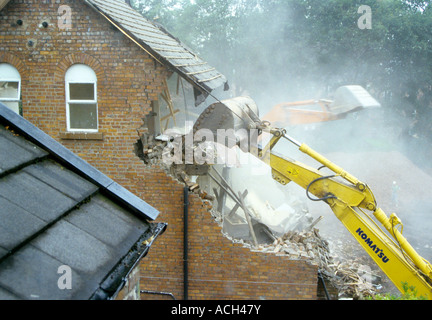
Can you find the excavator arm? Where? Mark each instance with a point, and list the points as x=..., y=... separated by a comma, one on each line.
x=350, y=199
x=347, y=99
x=354, y=205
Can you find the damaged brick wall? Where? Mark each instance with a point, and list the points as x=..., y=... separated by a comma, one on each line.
x=128, y=81
x=218, y=267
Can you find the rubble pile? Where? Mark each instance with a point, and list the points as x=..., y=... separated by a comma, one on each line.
x=351, y=278
x=349, y=274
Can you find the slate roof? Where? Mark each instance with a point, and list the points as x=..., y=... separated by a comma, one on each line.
x=56, y=210
x=160, y=44
x=3, y=3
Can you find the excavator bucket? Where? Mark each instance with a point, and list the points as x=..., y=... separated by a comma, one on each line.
x=351, y=99
x=238, y=114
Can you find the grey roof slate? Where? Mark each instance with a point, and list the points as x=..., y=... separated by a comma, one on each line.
x=160, y=44
x=16, y=225
x=25, y=191
x=57, y=211
x=18, y=151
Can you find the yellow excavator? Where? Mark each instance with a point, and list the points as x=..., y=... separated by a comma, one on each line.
x=351, y=200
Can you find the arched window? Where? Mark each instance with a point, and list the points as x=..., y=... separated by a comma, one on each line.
x=10, y=87
x=81, y=99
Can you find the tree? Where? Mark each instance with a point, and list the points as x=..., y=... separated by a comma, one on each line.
x=283, y=50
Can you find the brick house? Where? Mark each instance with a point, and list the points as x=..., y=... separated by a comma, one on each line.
x=97, y=77
x=57, y=217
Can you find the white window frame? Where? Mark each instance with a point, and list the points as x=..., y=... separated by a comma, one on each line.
x=85, y=74
x=12, y=79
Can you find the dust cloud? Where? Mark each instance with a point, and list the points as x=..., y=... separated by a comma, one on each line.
x=376, y=145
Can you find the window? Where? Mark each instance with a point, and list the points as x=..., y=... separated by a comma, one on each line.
x=10, y=87
x=81, y=99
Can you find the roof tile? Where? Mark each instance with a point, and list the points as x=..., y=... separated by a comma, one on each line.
x=16, y=151
x=160, y=43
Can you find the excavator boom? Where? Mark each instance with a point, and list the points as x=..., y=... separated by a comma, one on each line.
x=350, y=199
x=347, y=99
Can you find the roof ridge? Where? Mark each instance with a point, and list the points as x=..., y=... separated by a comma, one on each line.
x=138, y=30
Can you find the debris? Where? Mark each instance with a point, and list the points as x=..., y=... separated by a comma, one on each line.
x=248, y=218
x=350, y=278
x=315, y=223
x=289, y=228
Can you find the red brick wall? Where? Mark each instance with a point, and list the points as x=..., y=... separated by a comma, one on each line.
x=128, y=80
x=219, y=268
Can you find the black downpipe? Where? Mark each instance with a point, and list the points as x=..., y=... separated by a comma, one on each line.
x=324, y=285
x=185, y=242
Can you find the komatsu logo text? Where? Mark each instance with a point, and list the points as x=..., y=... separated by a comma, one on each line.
x=378, y=251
